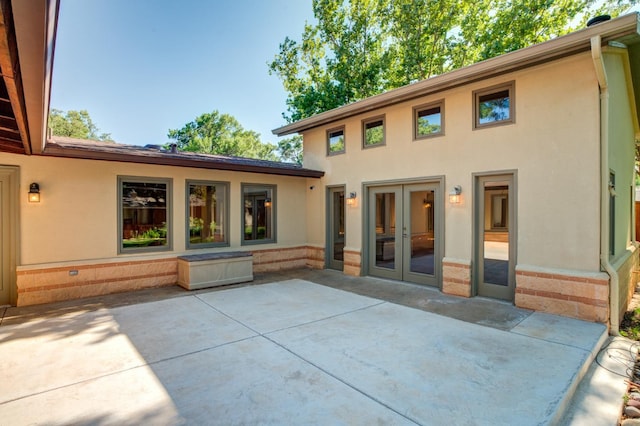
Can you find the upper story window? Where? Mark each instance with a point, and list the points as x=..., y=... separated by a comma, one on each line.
x=207, y=214
x=259, y=211
x=494, y=105
x=373, y=132
x=335, y=141
x=144, y=206
x=428, y=120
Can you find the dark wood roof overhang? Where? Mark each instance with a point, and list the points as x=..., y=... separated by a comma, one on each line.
x=134, y=154
x=14, y=133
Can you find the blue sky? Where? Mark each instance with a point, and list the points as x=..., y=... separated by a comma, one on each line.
x=141, y=67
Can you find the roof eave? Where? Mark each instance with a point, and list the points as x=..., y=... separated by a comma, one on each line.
x=567, y=45
x=167, y=159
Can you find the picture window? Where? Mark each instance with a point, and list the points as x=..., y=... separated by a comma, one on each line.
x=207, y=213
x=259, y=212
x=144, y=206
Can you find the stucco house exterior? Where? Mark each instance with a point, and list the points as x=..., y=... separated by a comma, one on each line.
x=512, y=178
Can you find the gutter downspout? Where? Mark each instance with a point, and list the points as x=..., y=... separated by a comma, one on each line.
x=614, y=297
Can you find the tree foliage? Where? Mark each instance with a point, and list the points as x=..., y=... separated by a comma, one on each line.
x=359, y=48
x=75, y=124
x=290, y=149
x=222, y=134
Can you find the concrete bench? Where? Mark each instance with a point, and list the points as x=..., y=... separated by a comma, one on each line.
x=213, y=269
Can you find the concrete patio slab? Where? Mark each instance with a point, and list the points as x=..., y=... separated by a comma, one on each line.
x=284, y=352
x=285, y=304
x=169, y=328
x=563, y=330
x=50, y=353
x=436, y=370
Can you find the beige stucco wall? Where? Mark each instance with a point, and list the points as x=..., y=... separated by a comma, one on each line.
x=621, y=148
x=77, y=216
x=553, y=147
x=621, y=158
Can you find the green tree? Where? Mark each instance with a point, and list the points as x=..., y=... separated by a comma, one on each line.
x=290, y=149
x=222, y=134
x=75, y=124
x=359, y=48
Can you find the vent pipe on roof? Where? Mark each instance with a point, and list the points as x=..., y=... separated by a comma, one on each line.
x=174, y=148
x=598, y=20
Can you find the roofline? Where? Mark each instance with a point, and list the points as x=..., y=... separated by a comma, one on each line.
x=570, y=44
x=168, y=159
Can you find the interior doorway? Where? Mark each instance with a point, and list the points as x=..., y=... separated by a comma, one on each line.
x=404, y=232
x=495, y=239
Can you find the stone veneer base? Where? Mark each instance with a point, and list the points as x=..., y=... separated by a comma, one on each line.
x=53, y=284
x=456, y=277
x=46, y=285
x=584, y=296
x=352, y=263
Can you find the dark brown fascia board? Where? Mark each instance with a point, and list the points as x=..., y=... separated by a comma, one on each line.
x=570, y=44
x=10, y=66
x=168, y=159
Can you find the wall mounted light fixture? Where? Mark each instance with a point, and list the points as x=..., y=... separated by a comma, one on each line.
x=351, y=201
x=454, y=195
x=267, y=202
x=34, y=193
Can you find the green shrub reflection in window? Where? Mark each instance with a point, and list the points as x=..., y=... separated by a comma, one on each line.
x=335, y=140
x=428, y=121
x=374, y=132
x=143, y=213
x=207, y=213
x=258, y=219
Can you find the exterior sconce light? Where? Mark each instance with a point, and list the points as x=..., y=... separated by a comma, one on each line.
x=454, y=195
x=267, y=202
x=34, y=193
x=351, y=201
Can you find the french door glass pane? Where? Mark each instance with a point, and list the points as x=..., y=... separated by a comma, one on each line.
x=385, y=222
x=338, y=225
x=422, y=232
x=496, y=235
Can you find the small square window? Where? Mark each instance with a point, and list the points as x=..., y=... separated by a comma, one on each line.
x=428, y=120
x=373, y=132
x=335, y=141
x=494, y=106
x=144, y=214
x=207, y=213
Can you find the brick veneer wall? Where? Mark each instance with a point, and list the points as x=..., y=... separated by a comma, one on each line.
x=583, y=296
x=54, y=284
x=456, y=277
x=352, y=263
x=48, y=285
x=315, y=257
